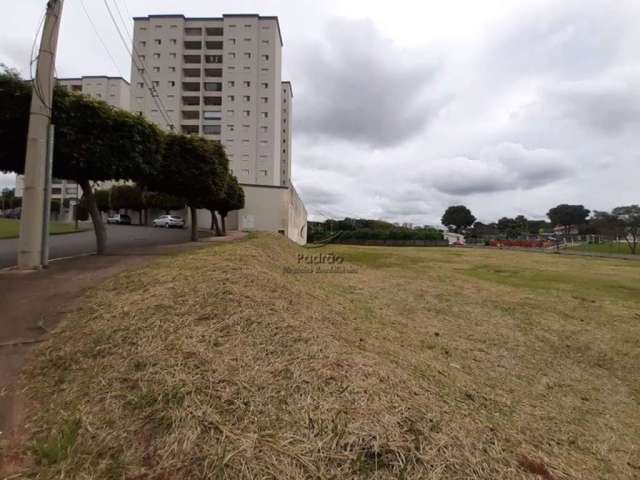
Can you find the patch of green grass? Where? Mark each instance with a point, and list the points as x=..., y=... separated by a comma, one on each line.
x=615, y=248
x=55, y=448
x=565, y=281
x=10, y=228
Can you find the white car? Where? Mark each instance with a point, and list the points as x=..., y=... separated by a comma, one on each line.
x=169, y=221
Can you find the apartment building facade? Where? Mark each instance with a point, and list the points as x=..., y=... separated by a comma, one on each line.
x=113, y=90
x=220, y=77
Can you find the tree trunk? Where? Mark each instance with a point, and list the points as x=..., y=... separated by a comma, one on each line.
x=96, y=218
x=194, y=224
x=224, y=224
x=214, y=223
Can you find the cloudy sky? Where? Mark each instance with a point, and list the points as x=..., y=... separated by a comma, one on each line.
x=403, y=108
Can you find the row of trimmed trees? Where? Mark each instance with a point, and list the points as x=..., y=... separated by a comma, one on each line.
x=95, y=142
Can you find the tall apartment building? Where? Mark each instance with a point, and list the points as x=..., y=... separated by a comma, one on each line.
x=217, y=77
x=114, y=91
x=220, y=77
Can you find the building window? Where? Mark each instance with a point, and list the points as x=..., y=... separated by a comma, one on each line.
x=213, y=100
x=265, y=85
x=232, y=54
x=172, y=83
x=191, y=86
x=213, y=58
x=172, y=69
x=213, y=72
x=214, y=45
x=231, y=98
x=155, y=83
x=245, y=141
x=156, y=56
x=173, y=41
x=247, y=54
x=192, y=32
x=262, y=172
x=157, y=41
x=265, y=114
x=247, y=25
x=246, y=98
x=246, y=113
x=231, y=84
x=172, y=55
x=190, y=129
x=231, y=127
x=142, y=44
x=264, y=129
x=191, y=101
x=229, y=113
x=265, y=58
x=211, y=129
x=140, y=85
x=213, y=87
x=156, y=69
x=232, y=41
x=264, y=99
x=246, y=84
x=192, y=45
x=191, y=115
x=245, y=171
x=215, y=32
x=212, y=115
x=266, y=42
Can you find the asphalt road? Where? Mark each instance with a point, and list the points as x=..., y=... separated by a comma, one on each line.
x=119, y=238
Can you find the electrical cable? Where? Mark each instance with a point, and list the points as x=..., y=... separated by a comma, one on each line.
x=151, y=89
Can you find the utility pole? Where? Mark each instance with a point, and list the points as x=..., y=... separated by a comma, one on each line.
x=32, y=223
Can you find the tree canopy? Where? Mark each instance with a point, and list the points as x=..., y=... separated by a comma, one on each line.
x=192, y=168
x=457, y=218
x=568, y=215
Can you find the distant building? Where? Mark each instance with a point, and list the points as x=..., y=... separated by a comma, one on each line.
x=114, y=91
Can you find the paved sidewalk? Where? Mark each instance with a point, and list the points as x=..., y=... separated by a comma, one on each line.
x=31, y=304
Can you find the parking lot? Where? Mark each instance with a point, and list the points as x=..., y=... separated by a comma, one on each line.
x=119, y=237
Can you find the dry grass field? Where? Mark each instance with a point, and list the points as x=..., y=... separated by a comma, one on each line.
x=418, y=363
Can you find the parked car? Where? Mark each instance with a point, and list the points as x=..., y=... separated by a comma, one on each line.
x=120, y=219
x=169, y=221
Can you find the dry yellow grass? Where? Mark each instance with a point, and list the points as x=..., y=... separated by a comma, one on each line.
x=425, y=364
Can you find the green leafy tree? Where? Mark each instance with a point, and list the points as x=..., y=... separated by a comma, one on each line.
x=458, y=218
x=55, y=206
x=7, y=198
x=629, y=216
x=162, y=201
x=128, y=197
x=192, y=168
x=233, y=199
x=93, y=142
x=103, y=200
x=568, y=216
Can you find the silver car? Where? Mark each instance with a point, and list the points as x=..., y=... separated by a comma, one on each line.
x=169, y=221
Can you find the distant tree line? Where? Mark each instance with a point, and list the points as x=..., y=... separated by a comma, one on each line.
x=365, y=229
x=95, y=142
x=622, y=223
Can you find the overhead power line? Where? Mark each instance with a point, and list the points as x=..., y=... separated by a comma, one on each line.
x=141, y=69
x=104, y=45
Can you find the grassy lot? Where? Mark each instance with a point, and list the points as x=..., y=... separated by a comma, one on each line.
x=618, y=248
x=416, y=363
x=10, y=228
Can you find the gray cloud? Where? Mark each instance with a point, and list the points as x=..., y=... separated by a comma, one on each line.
x=507, y=166
x=359, y=86
x=608, y=105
